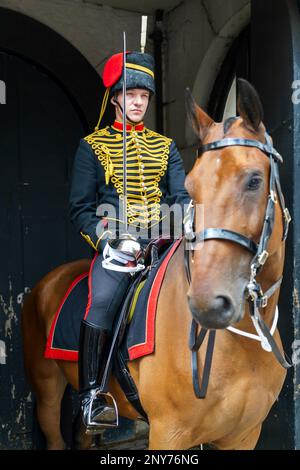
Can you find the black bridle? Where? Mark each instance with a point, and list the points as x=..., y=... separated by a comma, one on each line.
x=255, y=296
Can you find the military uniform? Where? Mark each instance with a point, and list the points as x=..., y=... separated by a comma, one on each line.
x=155, y=175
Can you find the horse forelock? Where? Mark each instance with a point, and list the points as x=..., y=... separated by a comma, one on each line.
x=237, y=127
x=228, y=123
x=234, y=127
x=205, y=169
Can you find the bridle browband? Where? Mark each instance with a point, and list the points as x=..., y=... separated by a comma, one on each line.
x=255, y=296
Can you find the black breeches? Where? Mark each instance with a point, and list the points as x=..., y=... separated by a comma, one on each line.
x=106, y=292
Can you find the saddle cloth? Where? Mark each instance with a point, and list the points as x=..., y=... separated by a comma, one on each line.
x=63, y=339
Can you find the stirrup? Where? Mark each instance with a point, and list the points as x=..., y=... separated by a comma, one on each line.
x=95, y=427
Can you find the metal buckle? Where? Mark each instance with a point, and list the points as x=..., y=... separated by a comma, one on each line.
x=287, y=215
x=263, y=301
x=252, y=291
x=252, y=295
x=273, y=196
x=263, y=257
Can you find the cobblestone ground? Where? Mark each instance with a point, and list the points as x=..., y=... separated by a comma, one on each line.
x=138, y=441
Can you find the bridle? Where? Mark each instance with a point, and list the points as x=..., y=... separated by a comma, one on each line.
x=255, y=296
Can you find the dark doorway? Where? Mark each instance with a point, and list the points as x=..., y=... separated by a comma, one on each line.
x=271, y=25
x=45, y=115
x=265, y=54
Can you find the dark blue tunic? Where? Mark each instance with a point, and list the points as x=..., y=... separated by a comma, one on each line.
x=155, y=175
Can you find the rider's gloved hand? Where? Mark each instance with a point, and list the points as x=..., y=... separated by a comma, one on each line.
x=117, y=255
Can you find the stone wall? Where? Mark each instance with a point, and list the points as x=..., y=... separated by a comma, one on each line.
x=94, y=30
x=198, y=35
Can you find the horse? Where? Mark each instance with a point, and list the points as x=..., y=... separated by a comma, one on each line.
x=231, y=182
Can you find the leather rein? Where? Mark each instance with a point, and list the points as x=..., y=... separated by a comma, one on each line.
x=255, y=296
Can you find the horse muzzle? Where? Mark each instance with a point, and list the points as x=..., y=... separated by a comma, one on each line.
x=219, y=313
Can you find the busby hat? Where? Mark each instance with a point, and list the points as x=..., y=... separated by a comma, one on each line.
x=139, y=71
x=139, y=74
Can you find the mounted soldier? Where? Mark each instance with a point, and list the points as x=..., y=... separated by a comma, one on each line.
x=140, y=169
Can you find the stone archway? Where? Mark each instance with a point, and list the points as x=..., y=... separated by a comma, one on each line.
x=213, y=59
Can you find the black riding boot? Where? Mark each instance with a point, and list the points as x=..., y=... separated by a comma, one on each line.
x=94, y=346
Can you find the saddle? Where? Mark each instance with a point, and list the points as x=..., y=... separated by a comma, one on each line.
x=133, y=334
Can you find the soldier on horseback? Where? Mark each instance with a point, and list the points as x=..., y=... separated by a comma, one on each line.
x=153, y=174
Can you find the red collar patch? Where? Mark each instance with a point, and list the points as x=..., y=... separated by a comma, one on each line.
x=129, y=127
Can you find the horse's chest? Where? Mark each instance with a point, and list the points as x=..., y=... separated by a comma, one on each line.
x=243, y=400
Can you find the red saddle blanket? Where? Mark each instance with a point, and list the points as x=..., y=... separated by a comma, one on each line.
x=63, y=339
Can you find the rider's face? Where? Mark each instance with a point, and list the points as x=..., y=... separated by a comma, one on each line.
x=137, y=100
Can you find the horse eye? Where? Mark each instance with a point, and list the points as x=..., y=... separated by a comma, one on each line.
x=254, y=183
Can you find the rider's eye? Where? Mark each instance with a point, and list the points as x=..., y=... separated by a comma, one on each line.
x=254, y=183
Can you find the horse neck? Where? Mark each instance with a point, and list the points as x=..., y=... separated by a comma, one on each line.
x=174, y=298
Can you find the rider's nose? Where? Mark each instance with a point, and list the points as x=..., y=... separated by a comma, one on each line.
x=138, y=101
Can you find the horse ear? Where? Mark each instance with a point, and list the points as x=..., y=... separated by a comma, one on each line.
x=249, y=105
x=200, y=121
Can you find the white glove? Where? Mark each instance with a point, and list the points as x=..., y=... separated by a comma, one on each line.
x=117, y=255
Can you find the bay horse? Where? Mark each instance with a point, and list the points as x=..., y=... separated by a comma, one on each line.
x=232, y=182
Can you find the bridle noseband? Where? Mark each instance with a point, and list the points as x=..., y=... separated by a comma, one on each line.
x=255, y=296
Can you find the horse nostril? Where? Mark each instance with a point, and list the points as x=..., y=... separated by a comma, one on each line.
x=223, y=305
x=217, y=312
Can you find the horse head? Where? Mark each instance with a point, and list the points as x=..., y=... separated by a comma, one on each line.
x=231, y=181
